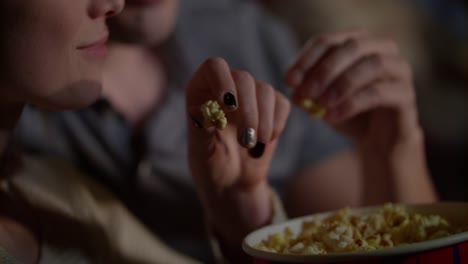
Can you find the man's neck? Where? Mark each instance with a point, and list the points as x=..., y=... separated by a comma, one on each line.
x=135, y=81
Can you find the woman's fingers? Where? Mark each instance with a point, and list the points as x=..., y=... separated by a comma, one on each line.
x=256, y=110
x=246, y=115
x=273, y=111
x=212, y=81
x=281, y=114
x=221, y=83
x=266, y=108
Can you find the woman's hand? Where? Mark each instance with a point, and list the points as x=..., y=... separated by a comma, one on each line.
x=230, y=166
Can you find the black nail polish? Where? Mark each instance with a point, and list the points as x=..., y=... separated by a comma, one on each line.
x=257, y=151
x=195, y=122
x=230, y=100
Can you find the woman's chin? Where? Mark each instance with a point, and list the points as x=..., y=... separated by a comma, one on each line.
x=78, y=95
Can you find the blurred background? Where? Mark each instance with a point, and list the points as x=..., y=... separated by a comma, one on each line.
x=433, y=36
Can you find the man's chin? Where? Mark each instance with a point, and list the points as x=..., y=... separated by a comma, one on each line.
x=152, y=40
x=140, y=32
x=142, y=38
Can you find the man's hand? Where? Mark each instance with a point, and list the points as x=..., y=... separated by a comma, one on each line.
x=367, y=90
x=364, y=84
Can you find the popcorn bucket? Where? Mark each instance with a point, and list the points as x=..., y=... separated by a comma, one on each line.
x=445, y=250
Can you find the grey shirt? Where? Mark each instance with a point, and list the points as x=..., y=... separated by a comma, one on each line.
x=149, y=171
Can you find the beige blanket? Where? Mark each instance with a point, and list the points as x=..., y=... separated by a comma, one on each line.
x=81, y=222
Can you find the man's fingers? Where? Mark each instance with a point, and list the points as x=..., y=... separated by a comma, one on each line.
x=363, y=73
x=314, y=49
x=376, y=95
x=339, y=58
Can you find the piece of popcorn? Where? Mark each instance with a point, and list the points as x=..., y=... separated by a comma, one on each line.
x=213, y=115
x=311, y=107
x=314, y=250
x=297, y=248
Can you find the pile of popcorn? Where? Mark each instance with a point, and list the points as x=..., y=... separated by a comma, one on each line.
x=344, y=231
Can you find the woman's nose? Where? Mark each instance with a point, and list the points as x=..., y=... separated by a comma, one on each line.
x=105, y=8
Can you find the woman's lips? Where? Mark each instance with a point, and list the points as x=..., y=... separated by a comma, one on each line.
x=96, y=49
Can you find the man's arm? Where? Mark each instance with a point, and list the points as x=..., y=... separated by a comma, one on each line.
x=329, y=184
x=351, y=178
x=366, y=87
x=399, y=176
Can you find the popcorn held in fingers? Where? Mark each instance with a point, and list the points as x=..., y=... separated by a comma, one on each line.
x=311, y=107
x=213, y=115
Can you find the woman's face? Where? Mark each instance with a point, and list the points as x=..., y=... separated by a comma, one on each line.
x=52, y=51
x=146, y=22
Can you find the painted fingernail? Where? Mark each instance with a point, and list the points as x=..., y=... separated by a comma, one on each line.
x=195, y=122
x=230, y=100
x=248, y=137
x=257, y=151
